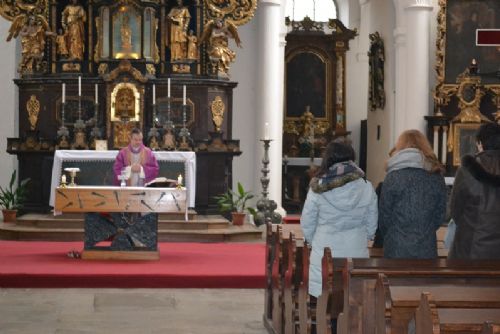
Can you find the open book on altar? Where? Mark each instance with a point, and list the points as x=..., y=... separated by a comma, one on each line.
x=162, y=182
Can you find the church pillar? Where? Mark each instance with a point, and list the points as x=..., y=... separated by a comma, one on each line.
x=270, y=92
x=401, y=76
x=417, y=64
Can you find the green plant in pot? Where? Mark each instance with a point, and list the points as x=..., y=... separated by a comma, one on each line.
x=236, y=203
x=11, y=199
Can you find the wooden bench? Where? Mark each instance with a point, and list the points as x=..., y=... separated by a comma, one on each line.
x=491, y=328
x=429, y=319
x=360, y=277
x=396, y=304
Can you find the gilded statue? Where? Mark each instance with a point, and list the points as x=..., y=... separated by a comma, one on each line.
x=217, y=33
x=62, y=48
x=192, y=46
x=125, y=103
x=178, y=22
x=33, y=36
x=73, y=20
x=126, y=34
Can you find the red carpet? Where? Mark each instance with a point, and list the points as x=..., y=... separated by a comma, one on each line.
x=181, y=265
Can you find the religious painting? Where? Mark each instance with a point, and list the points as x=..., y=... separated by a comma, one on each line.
x=126, y=34
x=125, y=102
x=464, y=140
x=463, y=18
x=306, y=84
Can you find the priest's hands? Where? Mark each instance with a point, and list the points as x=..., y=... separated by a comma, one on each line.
x=136, y=168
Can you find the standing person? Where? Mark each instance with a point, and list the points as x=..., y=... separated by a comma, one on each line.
x=475, y=199
x=340, y=211
x=413, y=199
x=138, y=162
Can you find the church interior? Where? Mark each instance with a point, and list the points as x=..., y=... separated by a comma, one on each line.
x=135, y=134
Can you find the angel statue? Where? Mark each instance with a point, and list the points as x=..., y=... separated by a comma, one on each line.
x=33, y=29
x=217, y=32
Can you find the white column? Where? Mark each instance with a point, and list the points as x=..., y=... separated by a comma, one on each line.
x=417, y=76
x=9, y=96
x=399, y=120
x=270, y=91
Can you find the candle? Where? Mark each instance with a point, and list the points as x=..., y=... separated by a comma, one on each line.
x=184, y=95
x=63, y=93
x=266, y=131
x=79, y=86
x=96, y=93
x=63, y=179
x=179, y=180
x=154, y=94
x=168, y=85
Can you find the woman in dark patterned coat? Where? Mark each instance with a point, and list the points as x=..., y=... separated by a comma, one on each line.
x=413, y=199
x=475, y=200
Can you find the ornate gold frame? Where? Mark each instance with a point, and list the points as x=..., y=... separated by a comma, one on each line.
x=458, y=127
x=322, y=124
x=137, y=96
x=444, y=91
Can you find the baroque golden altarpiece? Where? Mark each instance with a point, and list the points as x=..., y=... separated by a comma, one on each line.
x=467, y=91
x=94, y=69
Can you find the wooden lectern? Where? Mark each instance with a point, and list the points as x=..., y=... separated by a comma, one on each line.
x=127, y=217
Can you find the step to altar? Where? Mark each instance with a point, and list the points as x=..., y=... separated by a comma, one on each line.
x=171, y=228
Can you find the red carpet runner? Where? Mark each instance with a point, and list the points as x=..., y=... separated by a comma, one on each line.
x=181, y=265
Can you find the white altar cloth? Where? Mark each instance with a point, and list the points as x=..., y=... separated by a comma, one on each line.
x=189, y=159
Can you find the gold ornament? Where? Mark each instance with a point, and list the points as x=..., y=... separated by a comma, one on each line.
x=218, y=108
x=33, y=109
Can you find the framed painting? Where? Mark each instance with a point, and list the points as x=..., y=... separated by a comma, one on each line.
x=464, y=140
x=306, y=84
x=458, y=21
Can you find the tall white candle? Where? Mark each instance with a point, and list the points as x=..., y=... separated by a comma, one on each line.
x=63, y=93
x=79, y=86
x=154, y=94
x=96, y=93
x=266, y=131
x=168, y=85
x=184, y=95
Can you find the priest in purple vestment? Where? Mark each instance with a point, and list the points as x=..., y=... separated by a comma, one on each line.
x=136, y=161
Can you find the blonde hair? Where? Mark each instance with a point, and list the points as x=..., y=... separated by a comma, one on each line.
x=415, y=139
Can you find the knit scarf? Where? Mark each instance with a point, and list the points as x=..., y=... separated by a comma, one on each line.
x=337, y=176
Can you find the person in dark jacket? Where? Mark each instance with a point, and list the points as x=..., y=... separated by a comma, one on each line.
x=413, y=199
x=475, y=199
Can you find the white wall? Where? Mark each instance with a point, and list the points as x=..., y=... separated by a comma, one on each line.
x=379, y=15
x=244, y=71
x=8, y=96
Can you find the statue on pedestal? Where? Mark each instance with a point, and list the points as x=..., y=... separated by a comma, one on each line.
x=73, y=20
x=178, y=21
x=217, y=33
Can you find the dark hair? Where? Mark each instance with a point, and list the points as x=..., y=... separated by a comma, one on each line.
x=336, y=152
x=135, y=131
x=489, y=136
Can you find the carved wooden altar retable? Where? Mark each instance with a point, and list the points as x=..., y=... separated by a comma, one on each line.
x=94, y=69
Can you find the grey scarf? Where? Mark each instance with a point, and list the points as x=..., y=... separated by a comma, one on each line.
x=408, y=158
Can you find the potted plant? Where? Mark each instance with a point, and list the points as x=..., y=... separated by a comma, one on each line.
x=11, y=199
x=235, y=202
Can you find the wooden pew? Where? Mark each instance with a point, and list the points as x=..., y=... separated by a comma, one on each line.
x=324, y=304
x=396, y=304
x=491, y=328
x=268, y=292
x=429, y=319
x=292, y=278
x=303, y=300
x=360, y=277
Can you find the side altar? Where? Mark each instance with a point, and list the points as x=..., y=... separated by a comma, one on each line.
x=121, y=222
x=92, y=70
